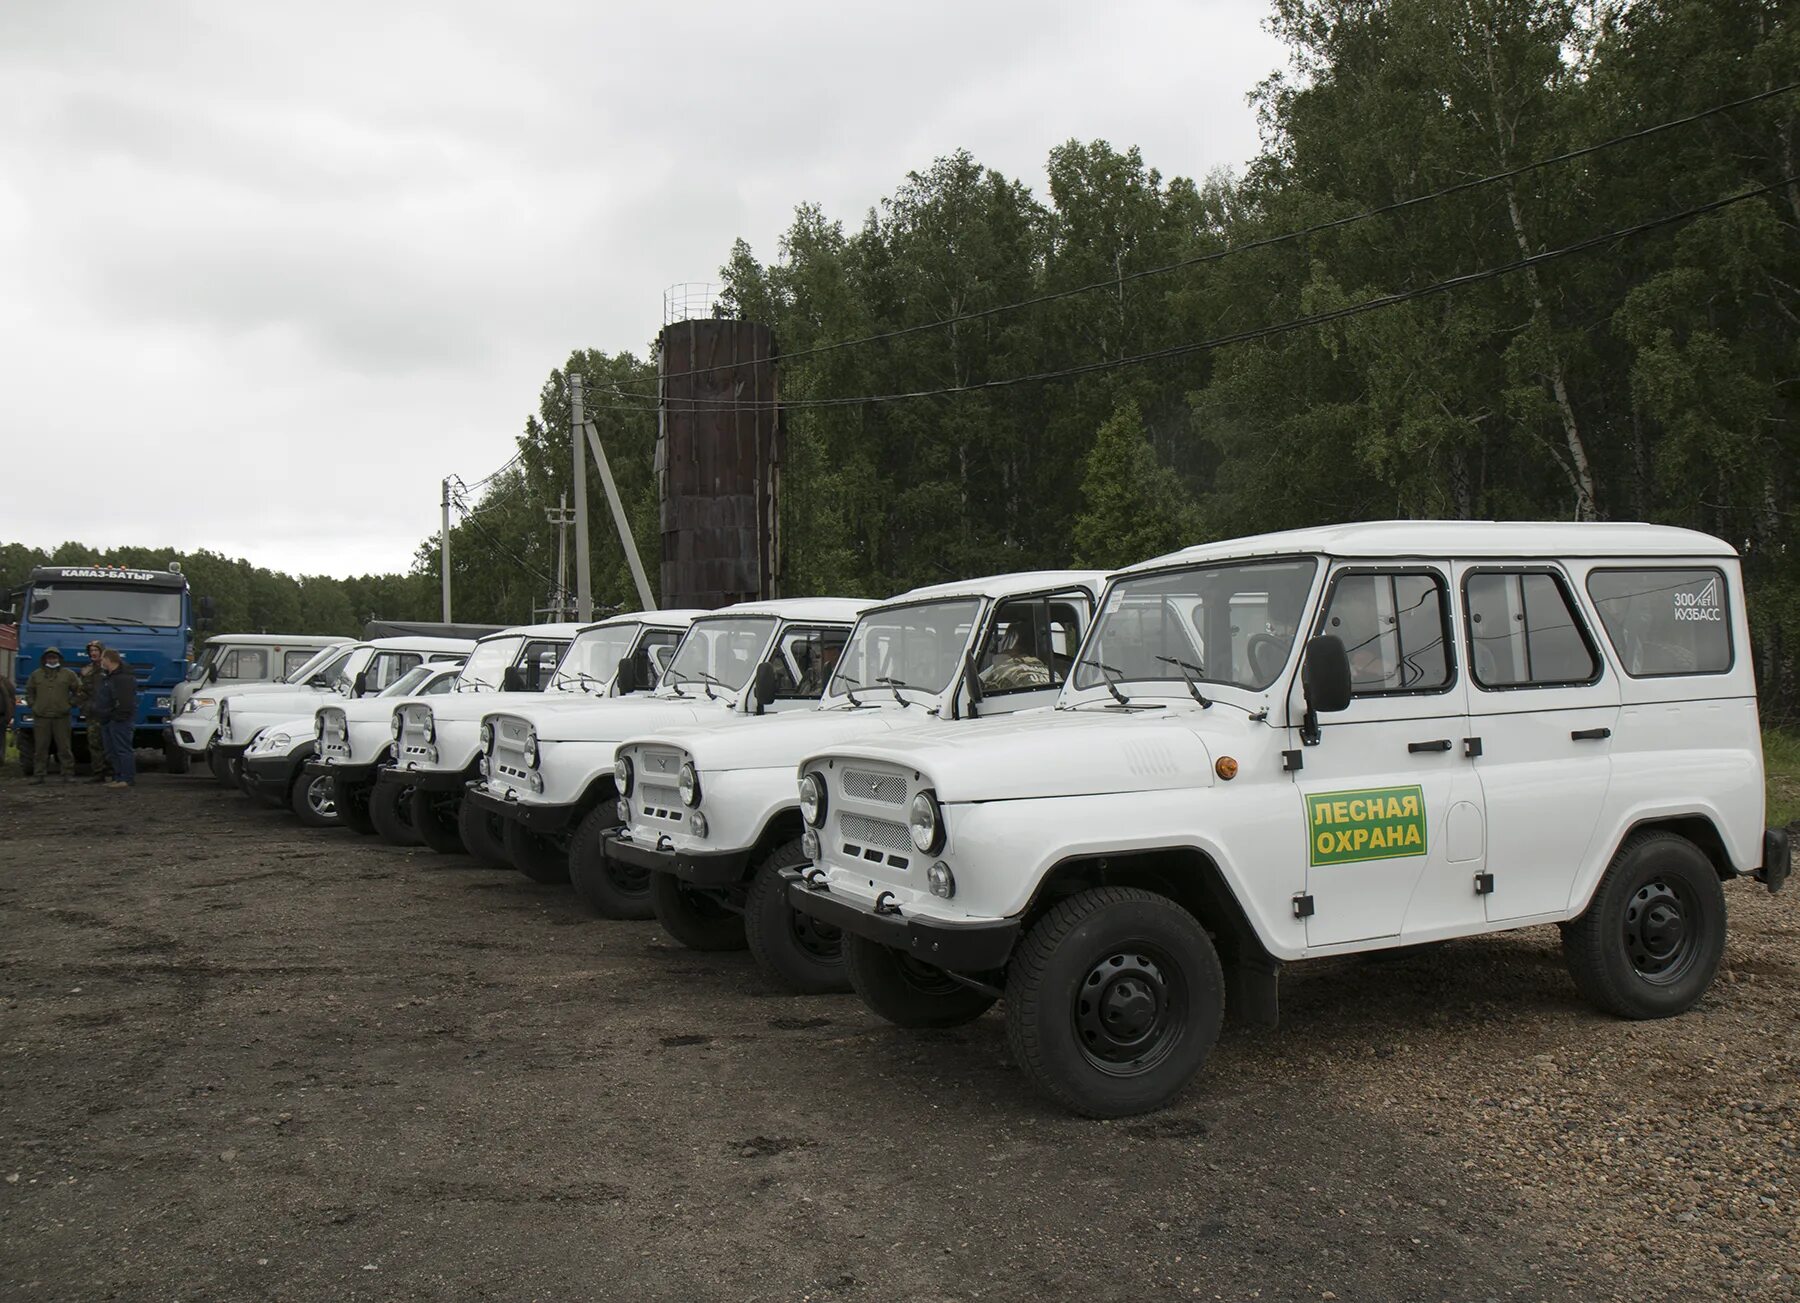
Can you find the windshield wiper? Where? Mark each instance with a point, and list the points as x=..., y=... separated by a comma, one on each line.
x=579, y=676
x=707, y=681
x=464, y=683
x=1188, y=670
x=894, y=685
x=1110, y=676
x=850, y=684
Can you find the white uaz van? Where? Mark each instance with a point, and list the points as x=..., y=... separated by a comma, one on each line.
x=1312, y=743
x=714, y=847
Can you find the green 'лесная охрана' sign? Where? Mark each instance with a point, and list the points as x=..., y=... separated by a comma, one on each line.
x=1372, y=823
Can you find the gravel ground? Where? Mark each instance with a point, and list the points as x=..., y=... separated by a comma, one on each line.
x=239, y=1058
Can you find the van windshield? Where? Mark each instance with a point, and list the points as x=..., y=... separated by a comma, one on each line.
x=1230, y=624
x=594, y=656
x=404, y=685
x=910, y=647
x=720, y=653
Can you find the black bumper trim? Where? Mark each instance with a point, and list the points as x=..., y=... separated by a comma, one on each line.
x=959, y=947
x=544, y=820
x=1778, y=859
x=357, y=775
x=276, y=774
x=441, y=781
x=711, y=869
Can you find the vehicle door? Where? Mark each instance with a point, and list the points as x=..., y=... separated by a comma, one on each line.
x=538, y=660
x=1542, y=708
x=658, y=645
x=1390, y=804
x=803, y=657
x=1030, y=649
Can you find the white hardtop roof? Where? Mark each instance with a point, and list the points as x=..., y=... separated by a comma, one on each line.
x=318, y=640
x=656, y=619
x=564, y=630
x=839, y=610
x=1003, y=586
x=1548, y=539
x=407, y=642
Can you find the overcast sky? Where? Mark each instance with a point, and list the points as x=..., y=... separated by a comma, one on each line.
x=300, y=261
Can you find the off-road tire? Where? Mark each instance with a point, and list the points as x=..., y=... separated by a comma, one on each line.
x=175, y=760
x=481, y=835
x=1650, y=941
x=390, y=810
x=614, y=889
x=436, y=831
x=696, y=920
x=352, y=807
x=313, y=800
x=1091, y=972
x=537, y=857
x=220, y=766
x=906, y=992
x=27, y=755
x=795, y=951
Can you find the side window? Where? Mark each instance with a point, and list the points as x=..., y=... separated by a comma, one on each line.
x=1395, y=625
x=440, y=685
x=1030, y=646
x=659, y=645
x=1665, y=622
x=1524, y=632
x=244, y=665
x=538, y=661
x=294, y=660
x=387, y=669
x=804, y=660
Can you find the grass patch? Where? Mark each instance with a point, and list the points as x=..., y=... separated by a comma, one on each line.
x=1781, y=764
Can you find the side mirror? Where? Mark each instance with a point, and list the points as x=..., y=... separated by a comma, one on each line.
x=360, y=684
x=212, y=672
x=514, y=680
x=1325, y=679
x=972, y=679
x=625, y=679
x=762, y=689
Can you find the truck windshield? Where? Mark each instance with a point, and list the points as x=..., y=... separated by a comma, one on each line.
x=910, y=646
x=1230, y=624
x=594, y=656
x=154, y=608
x=720, y=654
x=488, y=664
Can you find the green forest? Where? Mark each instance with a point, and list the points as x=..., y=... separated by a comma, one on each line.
x=1652, y=373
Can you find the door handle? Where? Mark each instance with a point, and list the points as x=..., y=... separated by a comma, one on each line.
x=1440, y=744
x=1590, y=734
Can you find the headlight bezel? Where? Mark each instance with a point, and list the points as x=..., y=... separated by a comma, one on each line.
x=487, y=736
x=925, y=803
x=529, y=749
x=687, y=783
x=624, y=775
x=813, y=794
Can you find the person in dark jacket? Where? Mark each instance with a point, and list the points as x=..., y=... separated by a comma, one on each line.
x=8, y=700
x=115, y=706
x=51, y=693
x=99, y=765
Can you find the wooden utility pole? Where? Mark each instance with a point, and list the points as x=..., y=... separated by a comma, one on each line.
x=444, y=548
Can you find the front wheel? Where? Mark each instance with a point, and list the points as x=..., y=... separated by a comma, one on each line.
x=482, y=835
x=434, y=819
x=1650, y=941
x=906, y=992
x=220, y=765
x=175, y=760
x=390, y=810
x=352, y=806
x=793, y=949
x=1113, y=1002
x=696, y=919
x=313, y=798
x=538, y=858
x=613, y=888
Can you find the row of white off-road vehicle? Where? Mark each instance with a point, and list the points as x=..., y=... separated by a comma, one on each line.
x=1119, y=804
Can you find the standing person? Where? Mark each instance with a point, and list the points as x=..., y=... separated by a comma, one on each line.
x=8, y=696
x=50, y=694
x=115, y=706
x=99, y=763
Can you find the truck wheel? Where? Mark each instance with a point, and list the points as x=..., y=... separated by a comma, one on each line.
x=390, y=810
x=697, y=920
x=434, y=819
x=220, y=766
x=906, y=992
x=314, y=800
x=794, y=950
x=1650, y=941
x=615, y=890
x=482, y=835
x=352, y=807
x=175, y=760
x=1113, y=1001
x=538, y=858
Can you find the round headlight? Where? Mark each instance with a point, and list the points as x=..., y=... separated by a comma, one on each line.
x=622, y=775
x=624, y=810
x=318, y=729
x=530, y=749
x=688, y=784
x=926, y=826
x=487, y=736
x=943, y=882
x=394, y=724
x=698, y=824
x=809, y=845
x=430, y=728
x=812, y=799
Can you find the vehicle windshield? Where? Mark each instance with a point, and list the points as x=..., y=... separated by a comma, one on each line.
x=917, y=646
x=488, y=663
x=155, y=608
x=314, y=665
x=407, y=682
x=594, y=655
x=1226, y=624
x=335, y=671
x=720, y=654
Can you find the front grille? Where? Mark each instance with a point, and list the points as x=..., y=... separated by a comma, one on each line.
x=658, y=802
x=864, y=784
x=414, y=745
x=508, y=760
x=884, y=833
x=665, y=764
x=334, y=735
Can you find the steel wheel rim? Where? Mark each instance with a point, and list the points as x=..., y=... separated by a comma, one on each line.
x=924, y=978
x=320, y=799
x=628, y=879
x=819, y=940
x=1129, y=1010
x=1661, y=931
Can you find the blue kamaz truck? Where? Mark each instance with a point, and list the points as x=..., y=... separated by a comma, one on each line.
x=145, y=615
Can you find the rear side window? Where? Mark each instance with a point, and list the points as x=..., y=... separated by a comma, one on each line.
x=245, y=664
x=1524, y=632
x=1665, y=622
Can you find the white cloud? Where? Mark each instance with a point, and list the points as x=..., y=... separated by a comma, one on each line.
x=303, y=261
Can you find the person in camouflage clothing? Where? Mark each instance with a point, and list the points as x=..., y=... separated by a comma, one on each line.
x=99, y=763
x=51, y=693
x=1015, y=663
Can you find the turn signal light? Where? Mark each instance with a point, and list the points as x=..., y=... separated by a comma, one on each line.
x=1226, y=768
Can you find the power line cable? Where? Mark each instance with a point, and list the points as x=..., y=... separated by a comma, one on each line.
x=1297, y=323
x=469, y=518
x=1216, y=255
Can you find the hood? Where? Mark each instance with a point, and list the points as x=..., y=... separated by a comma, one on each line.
x=235, y=690
x=366, y=710
x=1049, y=754
x=781, y=741
x=293, y=701
x=612, y=720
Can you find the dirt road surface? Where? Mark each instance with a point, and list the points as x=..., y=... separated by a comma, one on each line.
x=241, y=1059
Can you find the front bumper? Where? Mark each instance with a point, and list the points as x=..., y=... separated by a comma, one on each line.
x=350, y=775
x=960, y=947
x=272, y=775
x=441, y=781
x=1778, y=859
x=544, y=820
x=708, y=869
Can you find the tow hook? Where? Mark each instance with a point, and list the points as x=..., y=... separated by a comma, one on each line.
x=815, y=879
x=885, y=903
x=664, y=843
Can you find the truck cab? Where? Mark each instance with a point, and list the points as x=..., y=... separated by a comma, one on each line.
x=1308, y=744
x=716, y=845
